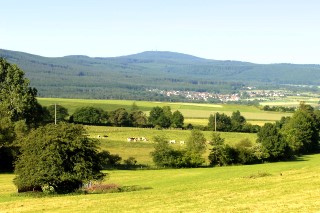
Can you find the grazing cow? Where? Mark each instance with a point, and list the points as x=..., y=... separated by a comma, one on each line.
x=144, y=139
x=181, y=142
x=172, y=141
x=131, y=139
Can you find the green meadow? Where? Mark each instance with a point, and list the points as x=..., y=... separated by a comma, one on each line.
x=270, y=187
x=116, y=140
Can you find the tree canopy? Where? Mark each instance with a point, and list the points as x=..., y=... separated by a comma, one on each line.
x=17, y=99
x=59, y=156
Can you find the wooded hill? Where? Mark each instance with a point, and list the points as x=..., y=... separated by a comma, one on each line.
x=128, y=77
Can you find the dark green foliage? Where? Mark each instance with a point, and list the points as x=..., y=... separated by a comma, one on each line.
x=19, y=111
x=138, y=119
x=223, y=122
x=216, y=139
x=163, y=117
x=177, y=120
x=130, y=162
x=278, y=108
x=8, y=155
x=61, y=113
x=165, y=155
x=60, y=156
x=274, y=145
x=222, y=155
x=196, y=142
x=87, y=115
x=119, y=117
x=109, y=160
x=154, y=115
x=237, y=122
x=245, y=152
x=301, y=131
x=17, y=99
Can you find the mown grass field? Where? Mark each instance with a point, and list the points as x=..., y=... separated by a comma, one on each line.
x=272, y=187
x=196, y=114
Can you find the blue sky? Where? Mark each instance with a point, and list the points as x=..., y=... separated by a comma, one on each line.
x=260, y=31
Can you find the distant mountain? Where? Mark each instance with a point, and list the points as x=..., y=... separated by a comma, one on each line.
x=128, y=77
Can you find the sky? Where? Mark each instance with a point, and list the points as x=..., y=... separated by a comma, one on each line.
x=258, y=31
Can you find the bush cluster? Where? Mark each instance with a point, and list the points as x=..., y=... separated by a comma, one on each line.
x=165, y=155
x=234, y=123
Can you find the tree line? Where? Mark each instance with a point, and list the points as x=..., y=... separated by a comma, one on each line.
x=160, y=117
x=234, y=123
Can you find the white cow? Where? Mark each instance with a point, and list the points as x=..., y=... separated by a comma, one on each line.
x=131, y=139
x=172, y=141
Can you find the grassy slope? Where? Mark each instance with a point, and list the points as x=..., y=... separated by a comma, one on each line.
x=291, y=187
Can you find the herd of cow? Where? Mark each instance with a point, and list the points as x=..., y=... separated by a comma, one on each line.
x=136, y=139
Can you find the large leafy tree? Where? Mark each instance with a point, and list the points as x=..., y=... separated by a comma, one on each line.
x=19, y=111
x=154, y=115
x=119, y=117
x=237, y=121
x=17, y=99
x=177, y=119
x=274, y=145
x=196, y=142
x=138, y=118
x=301, y=131
x=87, y=115
x=59, y=156
x=160, y=117
x=223, y=122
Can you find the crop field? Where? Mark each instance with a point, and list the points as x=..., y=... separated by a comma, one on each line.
x=272, y=187
x=196, y=113
x=293, y=101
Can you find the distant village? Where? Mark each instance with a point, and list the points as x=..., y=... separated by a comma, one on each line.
x=248, y=93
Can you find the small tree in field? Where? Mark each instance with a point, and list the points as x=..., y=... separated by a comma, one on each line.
x=58, y=156
x=195, y=147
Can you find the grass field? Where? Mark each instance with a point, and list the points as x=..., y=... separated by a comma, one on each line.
x=273, y=187
x=116, y=142
x=196, y=114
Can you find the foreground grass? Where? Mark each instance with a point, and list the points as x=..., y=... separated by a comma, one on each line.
x=287, y=187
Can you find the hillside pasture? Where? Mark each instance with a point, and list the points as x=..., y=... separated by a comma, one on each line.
x=116, y=140
x=271, y=187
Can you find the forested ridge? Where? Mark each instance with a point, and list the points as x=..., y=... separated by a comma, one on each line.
x=129, y=77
